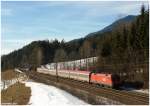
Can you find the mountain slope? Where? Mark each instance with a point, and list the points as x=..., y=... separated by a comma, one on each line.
x=125, y=20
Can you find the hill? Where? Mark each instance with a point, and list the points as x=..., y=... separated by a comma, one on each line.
x=125, y=20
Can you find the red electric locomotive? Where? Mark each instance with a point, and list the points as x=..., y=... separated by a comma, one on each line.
x=110, y=80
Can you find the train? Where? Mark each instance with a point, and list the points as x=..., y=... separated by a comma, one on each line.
x=62, y=69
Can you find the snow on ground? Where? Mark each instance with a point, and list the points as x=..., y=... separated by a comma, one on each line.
x=142, y=91
x=139, y=90
x=45, y=95
x=17, y=70
x=7, y=83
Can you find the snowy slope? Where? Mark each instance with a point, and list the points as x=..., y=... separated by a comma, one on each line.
x=44, y=95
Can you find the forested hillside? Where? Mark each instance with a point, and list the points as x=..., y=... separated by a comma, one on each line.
x=119, y=50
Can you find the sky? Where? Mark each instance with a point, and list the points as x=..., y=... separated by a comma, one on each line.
x=25, y=21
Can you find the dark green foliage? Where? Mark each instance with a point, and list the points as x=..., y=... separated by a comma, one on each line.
x=60, y=55
x=106, y=50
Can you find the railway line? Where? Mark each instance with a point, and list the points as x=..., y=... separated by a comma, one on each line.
x=119, y=92
x=111, y=92
x=125, y=97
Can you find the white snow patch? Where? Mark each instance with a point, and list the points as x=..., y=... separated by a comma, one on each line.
x=45, y=95
x=146, y=91
x=17, y=70
x=7, y=83
x=142, y=91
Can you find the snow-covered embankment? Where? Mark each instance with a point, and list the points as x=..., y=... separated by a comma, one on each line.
x=44, y=95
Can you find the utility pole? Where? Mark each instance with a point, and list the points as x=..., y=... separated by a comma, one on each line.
x=56, y=71
x=87, y=66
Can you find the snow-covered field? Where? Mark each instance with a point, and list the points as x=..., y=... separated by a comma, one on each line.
x=45, y=95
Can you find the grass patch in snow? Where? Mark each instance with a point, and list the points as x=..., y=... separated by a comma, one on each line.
x=8, y=74
x=17, y=94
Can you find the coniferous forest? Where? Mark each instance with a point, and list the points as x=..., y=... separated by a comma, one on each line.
x=125, y=49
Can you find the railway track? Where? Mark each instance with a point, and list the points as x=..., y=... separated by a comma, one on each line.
x=113, y=90
x=132, y=93
x=136, y=98
x=118, y=91
x=124, y=97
